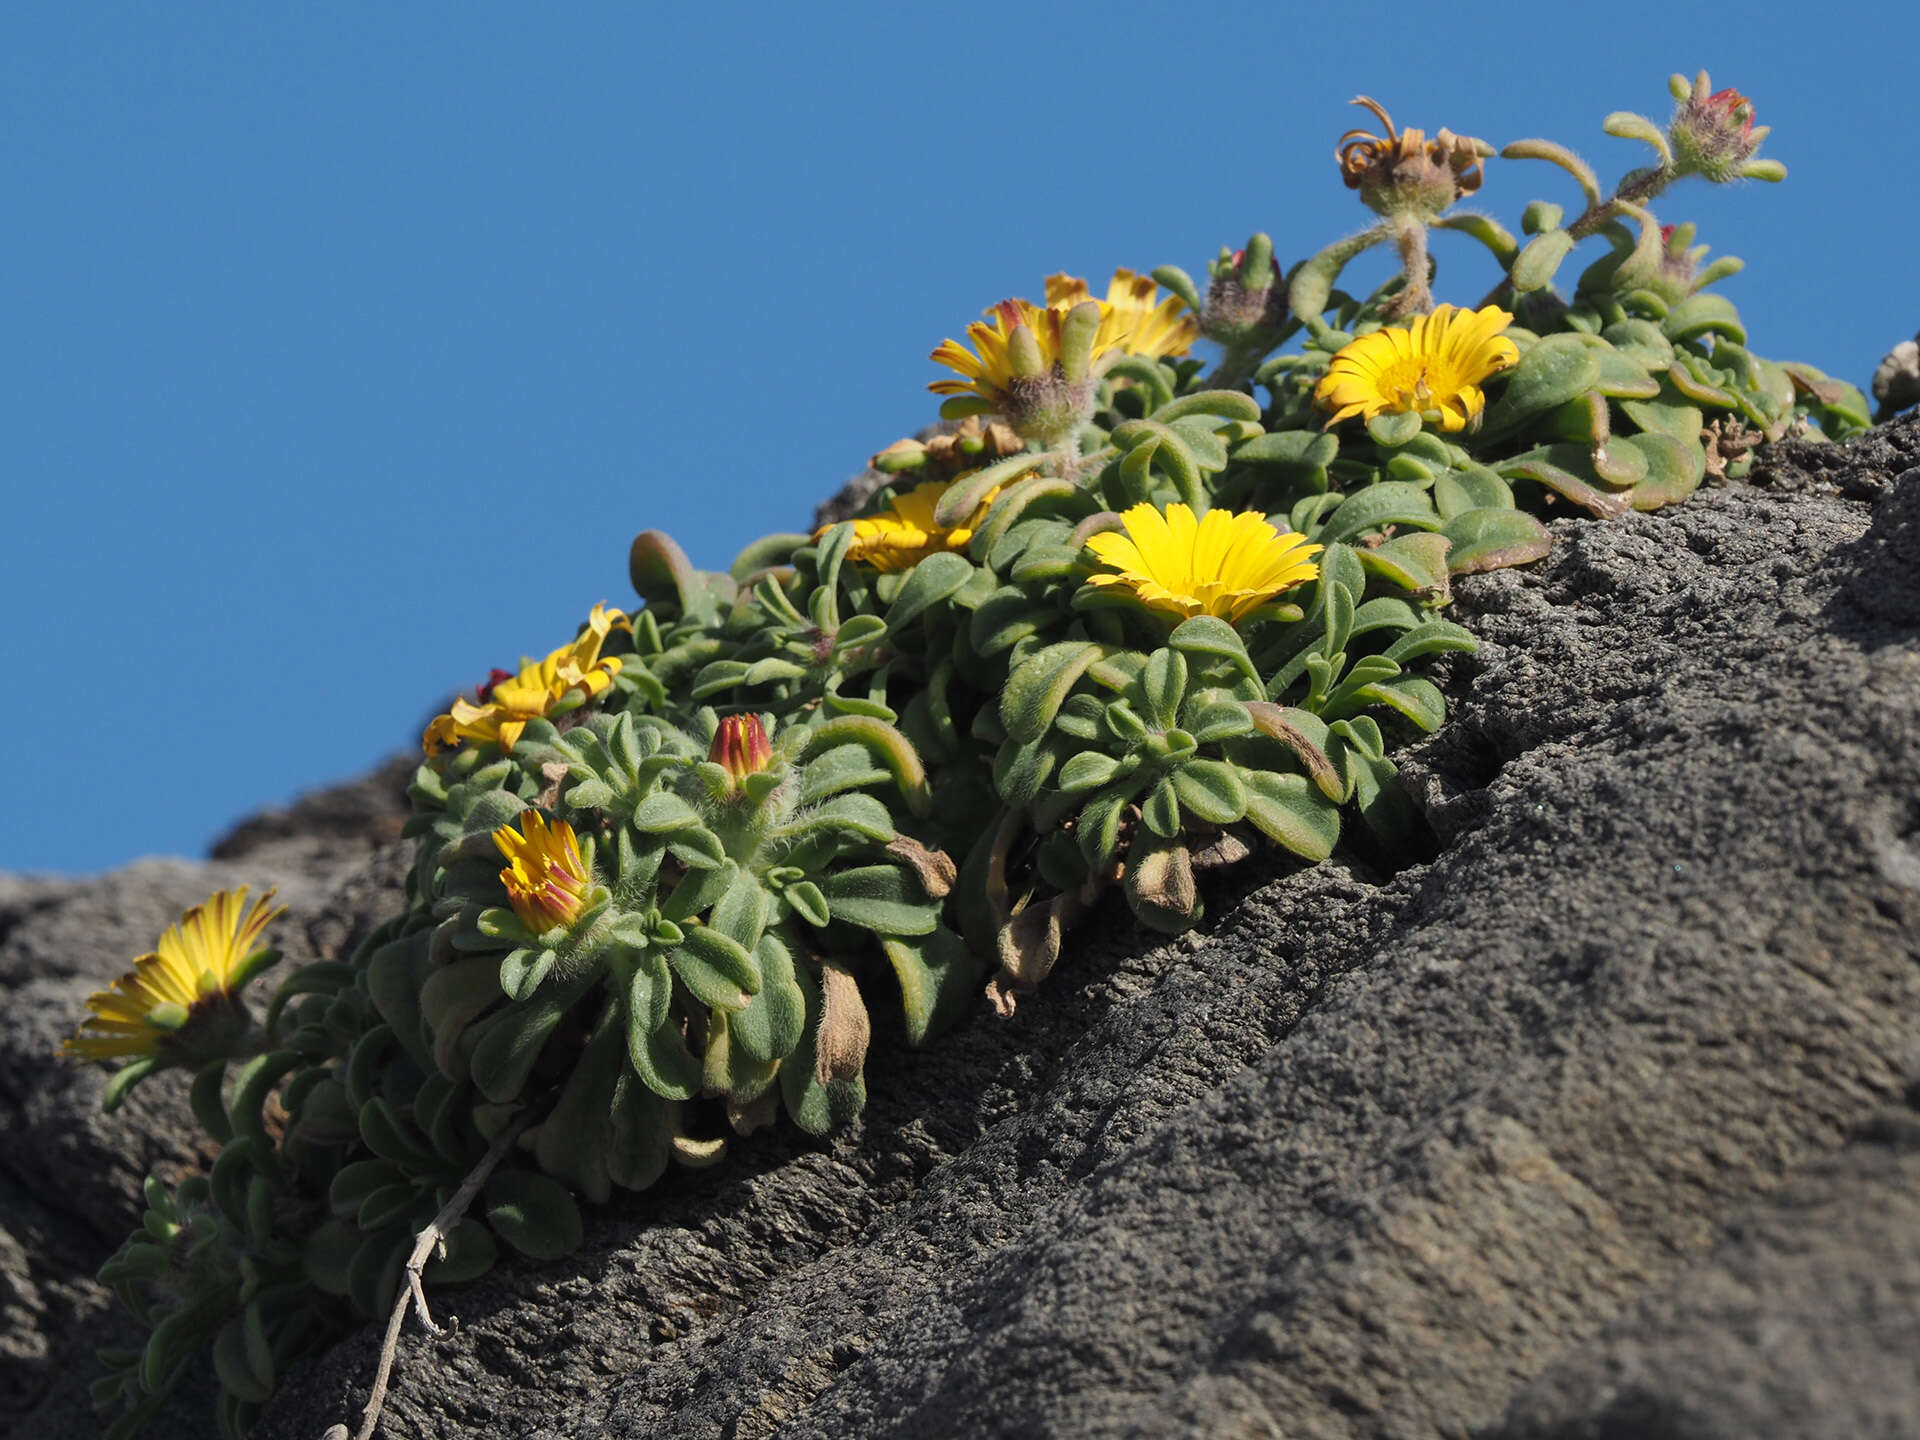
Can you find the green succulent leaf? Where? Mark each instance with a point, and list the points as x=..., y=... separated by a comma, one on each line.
x=1704, y=314
x=1088, y=770
x=507, y=1043
x=1019, y=771
x=718, y=969
x=881, y=898
x=640, y=1140
x=522, y=971
x=769, y=1028
x=1534, y=267
x=842, y=767
x=1035, y=689
x=699, y=891
x=660, y=1057
x=1290, y=811
x=1165, y=683
x=1210, y=790
x=1492, y=539
x=1551, y=372
x=1390, y=503
x=807, y=902
x=1161, y=811
x=533, y=1213
x=1393, y=429
x=857, y=815
x=663, y=812
x=571, y=1142
x=742, y=913
x=884, y=744
x=939, y=980
x=1214, y=638
x=933, y=580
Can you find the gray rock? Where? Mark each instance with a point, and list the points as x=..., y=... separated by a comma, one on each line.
x=1597, y=1123
x=1896, y=379
x=336, y=822
x=1802, y=1321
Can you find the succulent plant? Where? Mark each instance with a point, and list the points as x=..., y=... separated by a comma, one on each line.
x=1126, y=622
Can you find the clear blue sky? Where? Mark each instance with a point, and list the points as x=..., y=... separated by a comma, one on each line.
x=346, y=347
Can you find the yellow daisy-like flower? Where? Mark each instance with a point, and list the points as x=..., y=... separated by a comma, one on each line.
x=1433, y=366
x=905, y=533
x=991, y=374
x=1154, y=328
x=1216, y=564
x=546, y=880
x=508, y=702
x=197, y=965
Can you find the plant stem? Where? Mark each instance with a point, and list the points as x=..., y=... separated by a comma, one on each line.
x=1635, y=189
x=425, y=1243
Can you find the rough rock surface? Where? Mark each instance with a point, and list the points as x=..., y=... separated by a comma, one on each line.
x=1600, y=1123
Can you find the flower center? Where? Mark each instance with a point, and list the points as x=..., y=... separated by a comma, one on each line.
x=1408, y=383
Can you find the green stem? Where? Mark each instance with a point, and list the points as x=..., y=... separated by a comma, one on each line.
x=1637, y=189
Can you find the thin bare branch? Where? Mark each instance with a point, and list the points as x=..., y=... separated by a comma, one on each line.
x=411, y=1295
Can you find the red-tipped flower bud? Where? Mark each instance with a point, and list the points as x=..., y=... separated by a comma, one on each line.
x=1246, y=294
x=1713, y=135
x=740, y=747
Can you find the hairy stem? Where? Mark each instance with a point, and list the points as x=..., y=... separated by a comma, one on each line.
x=1636, y=189
x=1410, y=239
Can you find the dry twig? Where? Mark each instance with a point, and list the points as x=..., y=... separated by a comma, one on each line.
x=433, y=1238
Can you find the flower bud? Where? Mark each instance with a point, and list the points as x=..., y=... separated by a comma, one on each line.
x=1245, y=295
x=1712, y=134
x=907, y=454
x=740, y=747
x=1035, y=366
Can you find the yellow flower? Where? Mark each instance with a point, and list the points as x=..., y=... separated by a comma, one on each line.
x=546, y=880
x=1433, y=366
x=1007, y=357
x=1220, y=564
x=905, y=533
x=1153, y=330
x=508, y=702
x=198, y=966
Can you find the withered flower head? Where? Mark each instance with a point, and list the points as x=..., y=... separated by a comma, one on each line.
x=967, y=445
x=1406, y=173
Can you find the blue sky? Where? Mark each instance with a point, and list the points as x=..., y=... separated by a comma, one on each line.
x=346, y=347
